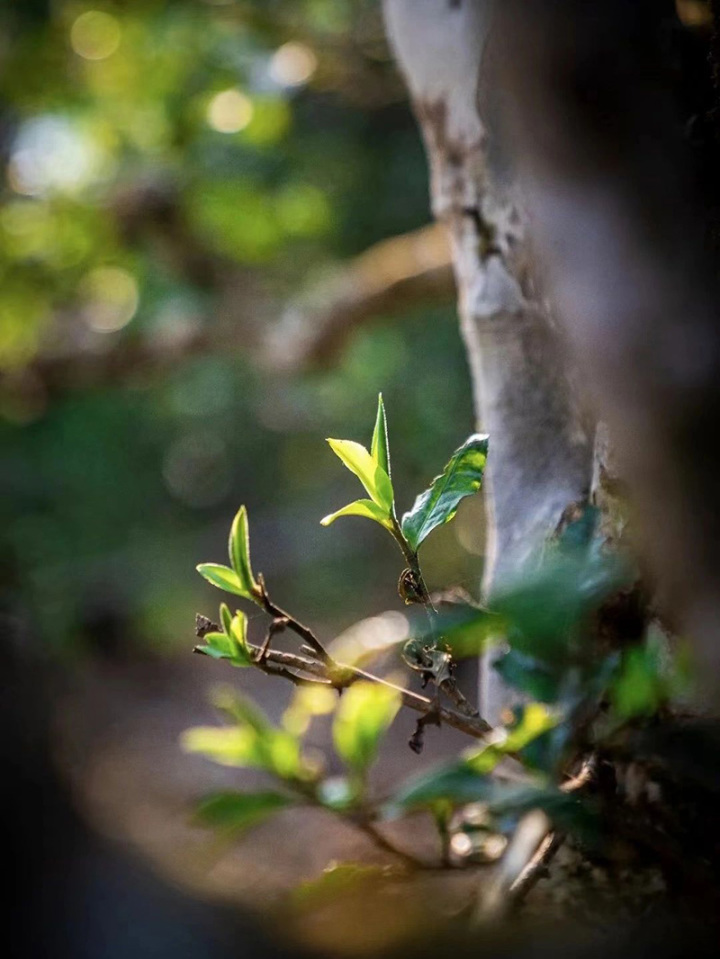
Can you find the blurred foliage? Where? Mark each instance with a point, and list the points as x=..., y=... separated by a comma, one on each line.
x=167, y=168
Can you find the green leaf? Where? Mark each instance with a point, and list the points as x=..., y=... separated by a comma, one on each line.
x=223, y=577
x=225, y=618
x=235, y=812
x=546, y=606
x=364, y=714
x=361, y=507
x=640, y=688
x=529, y=675
x=238, y=633
x=467, y=630
x=456, y=782
x=252, y=742
x=373, y=477
x=534, y=721
x=239, y=550
x=222, y=646
x=379, y=448
x=217, y=646
x=459, y=784
x=461, y=477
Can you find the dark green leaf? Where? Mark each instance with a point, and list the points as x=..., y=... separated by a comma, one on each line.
x=459, y=784
x=461, y=477
x=529, y=675
x=467, y=630
x=546, y=606
x=234, y=812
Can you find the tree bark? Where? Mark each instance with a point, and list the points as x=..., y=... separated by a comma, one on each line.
x=540, y=452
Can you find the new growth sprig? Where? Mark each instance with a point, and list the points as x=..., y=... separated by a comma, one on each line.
x=573, y=691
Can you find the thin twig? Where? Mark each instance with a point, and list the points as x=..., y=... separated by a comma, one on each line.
x=537, y=865
x=340, y=676
x=382, y=842
x=304, y=632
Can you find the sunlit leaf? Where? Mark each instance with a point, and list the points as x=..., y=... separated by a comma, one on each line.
x=225, y=618
x=223, y=577
x=461, y=477
x=235, y=812
x=224, y=646
x=239, y=550
x=361, y=507
x=373, y=477
x=251, y=742
x=379, y=449
x=364, y=714
x=226, y=745
x=535, y=720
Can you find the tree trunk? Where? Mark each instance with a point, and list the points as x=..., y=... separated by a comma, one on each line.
x=540, y=452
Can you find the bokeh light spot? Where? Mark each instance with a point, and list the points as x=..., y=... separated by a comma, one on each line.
x=111, y=298
x=95, y=35
x=292, y=64
x=229, y=111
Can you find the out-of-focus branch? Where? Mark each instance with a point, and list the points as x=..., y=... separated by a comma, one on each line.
x=540, y=458
x=391, y=277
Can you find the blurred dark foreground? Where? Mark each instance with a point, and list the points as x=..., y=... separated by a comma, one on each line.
x=76, y=894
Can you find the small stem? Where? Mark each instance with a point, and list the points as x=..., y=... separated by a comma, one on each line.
x=304, y=632
x=372, y=832
x=338, y=676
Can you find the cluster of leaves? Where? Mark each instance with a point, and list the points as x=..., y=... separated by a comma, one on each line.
x=542, y=626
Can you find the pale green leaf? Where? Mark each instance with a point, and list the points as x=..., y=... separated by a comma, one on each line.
x=238, y=635
x=226, y=745
x=223, y=577
x=273, y=750
x=364, y=714
x=373, y=477
x=239, y=551
x=461, y=477
x=223, y=646
x=217, y=646
x=225, y=618
x=361, y=507
x=379, y=449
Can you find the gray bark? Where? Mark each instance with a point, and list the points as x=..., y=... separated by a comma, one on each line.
x=540, y=454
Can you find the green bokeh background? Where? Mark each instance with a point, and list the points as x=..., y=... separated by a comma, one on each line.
x=113, y=486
